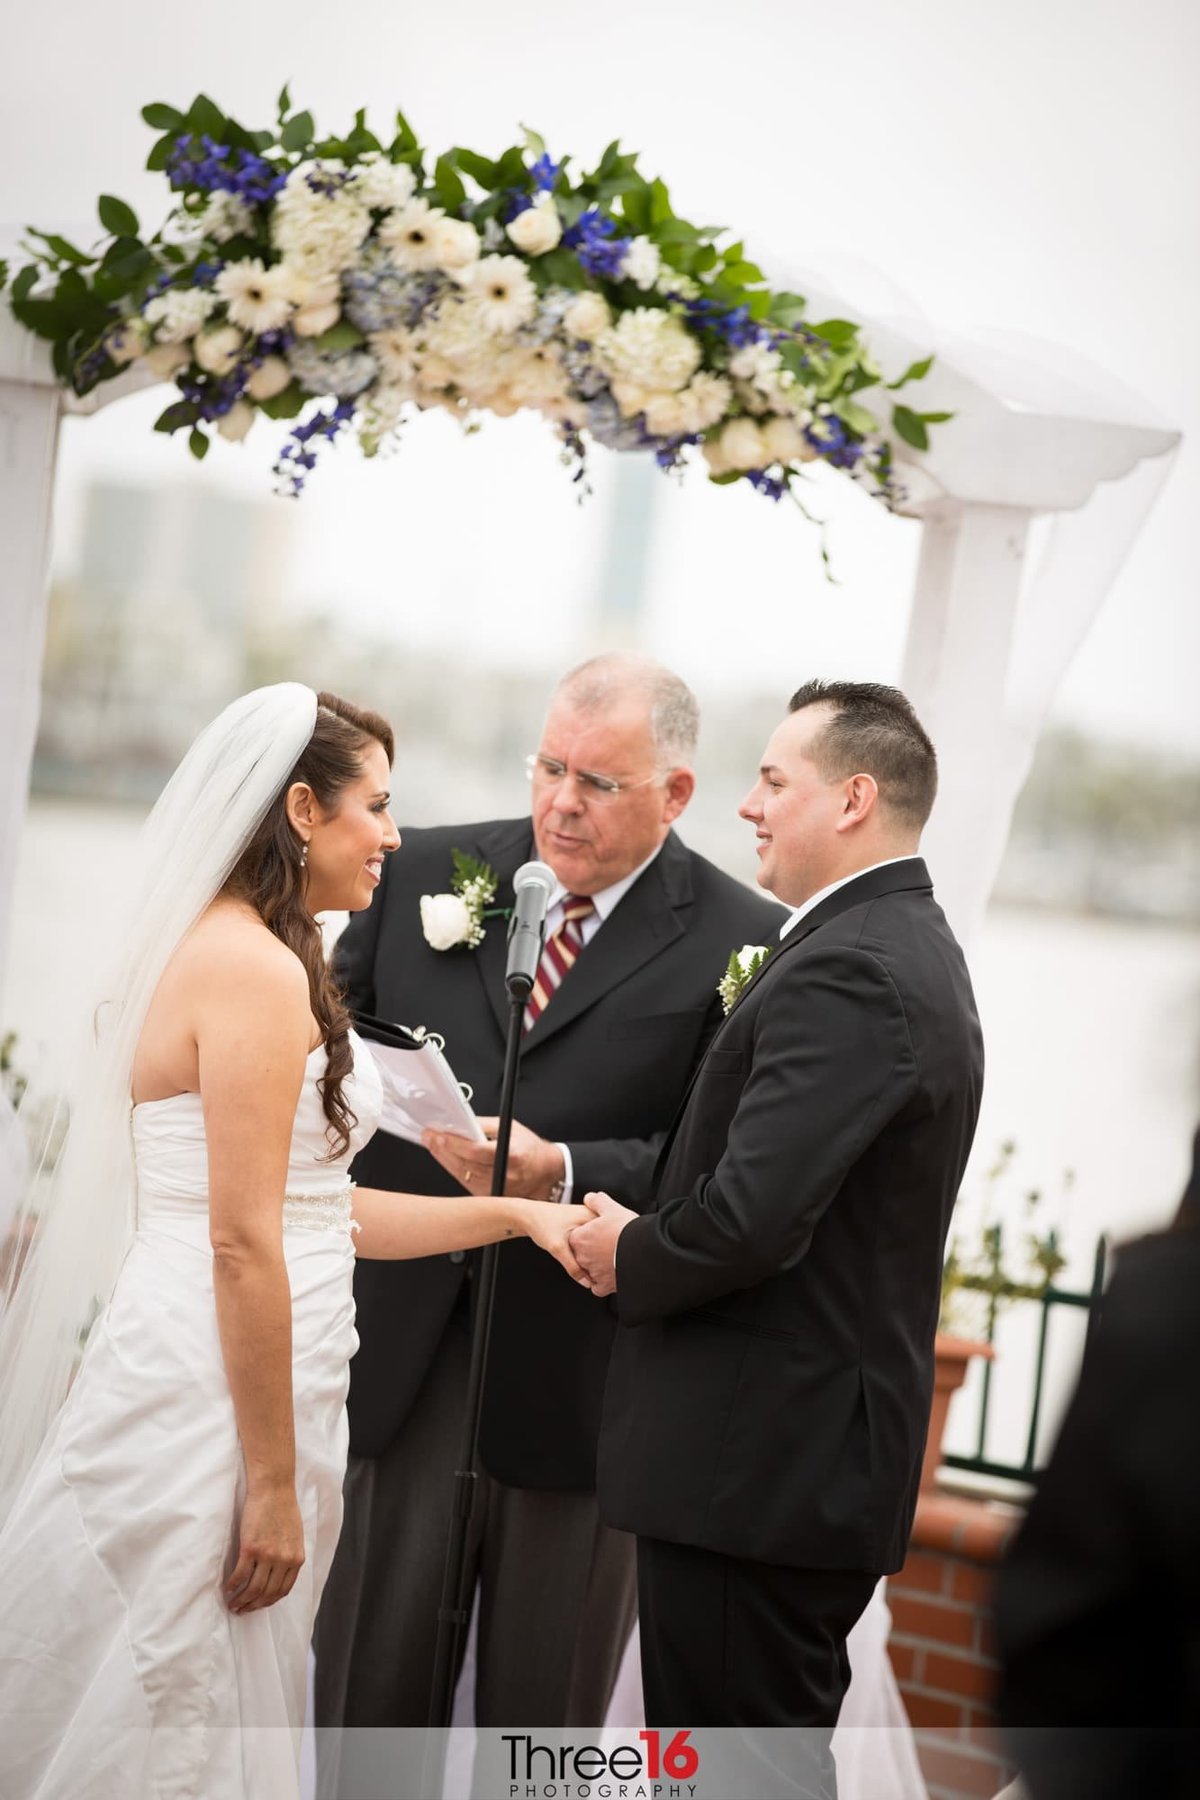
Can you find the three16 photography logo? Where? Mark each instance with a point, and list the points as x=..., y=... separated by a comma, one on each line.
x=650, y=1769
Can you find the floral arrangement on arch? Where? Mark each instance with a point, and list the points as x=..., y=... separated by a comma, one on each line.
x=342, y=282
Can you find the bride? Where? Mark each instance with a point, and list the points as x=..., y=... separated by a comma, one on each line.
x=167, y=1531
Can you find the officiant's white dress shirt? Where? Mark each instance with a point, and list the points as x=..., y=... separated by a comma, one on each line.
x=603, y=903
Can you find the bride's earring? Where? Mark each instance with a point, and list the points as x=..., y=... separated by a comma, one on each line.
x=304, y=854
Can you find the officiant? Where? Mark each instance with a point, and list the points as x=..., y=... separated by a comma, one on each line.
x=639, y=933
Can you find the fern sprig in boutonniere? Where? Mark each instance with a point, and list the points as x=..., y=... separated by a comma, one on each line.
x=742, y=967
x=449, y=920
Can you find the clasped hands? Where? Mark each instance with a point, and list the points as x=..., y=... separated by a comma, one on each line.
x=535, y=1168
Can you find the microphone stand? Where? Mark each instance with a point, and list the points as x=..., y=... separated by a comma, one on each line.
x=454, y=1613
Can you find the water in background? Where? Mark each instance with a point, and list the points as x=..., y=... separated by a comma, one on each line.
x=1093, y=1058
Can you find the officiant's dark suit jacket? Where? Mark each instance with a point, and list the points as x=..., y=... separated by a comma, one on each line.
x=771, y=1383
x=603, y=1070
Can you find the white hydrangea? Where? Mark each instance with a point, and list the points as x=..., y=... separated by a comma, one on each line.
x=178, y=315
x=318, y=229
x=642, y=263
x=707, y=400
x=225, y=216
x=379, y=414
x=650, y=349
x=380, y=184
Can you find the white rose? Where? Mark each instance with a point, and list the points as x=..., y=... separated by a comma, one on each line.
x=457, y=245
x=237, y=421
x=164, y=360
x=538, y=228
x=641, y=263
x=748, y=955
x=587, y=317
x=786, y=441
x=445, y=920
x=743, y=445
x=311, y=321
x=270, y=378
x=714, y=456
x=217, y=351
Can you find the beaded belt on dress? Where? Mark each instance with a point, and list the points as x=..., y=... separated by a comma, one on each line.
x=320, y=1212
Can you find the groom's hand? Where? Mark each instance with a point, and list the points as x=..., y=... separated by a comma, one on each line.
x=595, y=1244
x=534, y=1165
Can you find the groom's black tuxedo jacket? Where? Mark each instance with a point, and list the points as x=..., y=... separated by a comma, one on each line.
x=602, y=1070
x=770, y=1397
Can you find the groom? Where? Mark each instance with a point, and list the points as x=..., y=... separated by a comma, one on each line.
x=769, y=1393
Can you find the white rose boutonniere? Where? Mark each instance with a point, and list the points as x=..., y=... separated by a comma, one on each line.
x=743, y=966
x=449, y=920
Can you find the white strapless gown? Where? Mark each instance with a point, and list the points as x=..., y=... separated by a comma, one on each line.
x=123, y=1675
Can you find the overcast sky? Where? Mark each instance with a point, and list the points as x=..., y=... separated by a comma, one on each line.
x=1029, y=167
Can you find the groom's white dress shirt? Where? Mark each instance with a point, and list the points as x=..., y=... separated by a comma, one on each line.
x=815, y=900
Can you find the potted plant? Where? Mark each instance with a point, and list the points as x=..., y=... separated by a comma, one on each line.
x=967, y=1329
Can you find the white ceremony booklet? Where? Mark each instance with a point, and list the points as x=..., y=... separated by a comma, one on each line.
x=420, y=1092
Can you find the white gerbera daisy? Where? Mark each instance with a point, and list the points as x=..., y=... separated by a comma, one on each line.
x=411, y=234
x=256, y=298
x=503, y=293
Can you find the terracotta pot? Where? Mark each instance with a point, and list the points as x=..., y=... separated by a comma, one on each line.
x=951, y=1356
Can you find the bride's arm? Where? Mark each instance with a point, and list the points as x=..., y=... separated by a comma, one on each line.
x=253, y=1026
x=396, y=1226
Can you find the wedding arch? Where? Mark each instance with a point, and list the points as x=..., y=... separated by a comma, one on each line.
x=341, y=281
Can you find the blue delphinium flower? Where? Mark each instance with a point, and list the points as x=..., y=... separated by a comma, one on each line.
x=213, y=395
x=516, y=201
x=732, y=323
x=219, y=167
x=773, y=486
x=600, y=252
x=545, y=173
x=829, y=437
x=297, y=457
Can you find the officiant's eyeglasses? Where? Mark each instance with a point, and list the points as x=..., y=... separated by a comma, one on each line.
x=546, y=771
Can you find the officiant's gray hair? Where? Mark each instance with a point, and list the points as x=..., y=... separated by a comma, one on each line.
x=607, y=680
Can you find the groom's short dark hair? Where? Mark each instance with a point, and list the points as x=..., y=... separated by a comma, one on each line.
x=874, y=731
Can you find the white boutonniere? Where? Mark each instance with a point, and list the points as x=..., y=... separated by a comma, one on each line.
x=743, y=966
x=458, y=917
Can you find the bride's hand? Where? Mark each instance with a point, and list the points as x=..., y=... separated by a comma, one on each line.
x=550, y=1224
x=270, y=1549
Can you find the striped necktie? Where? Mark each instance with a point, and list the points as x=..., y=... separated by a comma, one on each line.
x=558, y=955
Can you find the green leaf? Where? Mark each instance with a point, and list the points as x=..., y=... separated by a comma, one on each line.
x=3, y=276
x=176, y=416
x=742, y=274
x=936, y=418
x=558, y=268
x=287, y=405
x=297, y=133
x=727, y=479
x=836, y=331
x=23, y=283
x=160, y=152
x=205, y=118
x=447, y=185
x=59, y=247
x=342, y=336
x=915, y=372
x=786, y=309
x=511, y=170
x=116, y=217
x=284, y=103
x=163, y=118
x=660, y=202
x=909, y=426
x=481, y=169
x=405, y=139
x=198, y=444
x=535, y=143
x=856, y=417
x=635, y=207
x=262, y=140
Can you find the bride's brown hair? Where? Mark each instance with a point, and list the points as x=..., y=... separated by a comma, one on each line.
x=269, y=876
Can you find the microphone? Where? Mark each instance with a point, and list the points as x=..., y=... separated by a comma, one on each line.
x=533, y=884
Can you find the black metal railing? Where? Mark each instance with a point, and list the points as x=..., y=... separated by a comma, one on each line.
x=1046, y=1297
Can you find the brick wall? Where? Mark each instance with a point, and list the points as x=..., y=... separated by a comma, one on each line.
x=941, y=1644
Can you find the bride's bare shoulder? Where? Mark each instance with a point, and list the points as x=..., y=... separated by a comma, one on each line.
x=229, y=949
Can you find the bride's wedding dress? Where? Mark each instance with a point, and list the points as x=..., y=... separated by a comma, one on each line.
x=122, y=1672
